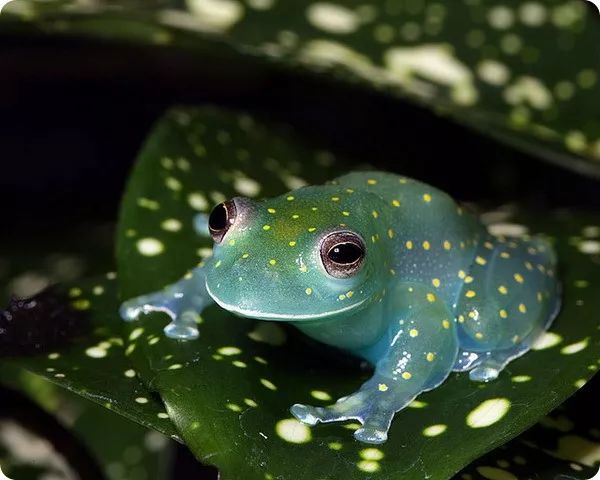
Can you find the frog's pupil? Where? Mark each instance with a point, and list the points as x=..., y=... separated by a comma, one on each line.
x=218, y=218
x=345, y=253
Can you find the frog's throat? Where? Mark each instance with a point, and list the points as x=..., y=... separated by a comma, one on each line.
x=281, y=316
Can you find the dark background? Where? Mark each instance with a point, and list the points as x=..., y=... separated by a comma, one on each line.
x=74, y=113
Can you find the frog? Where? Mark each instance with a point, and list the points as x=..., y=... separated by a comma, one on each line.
x=384, y=267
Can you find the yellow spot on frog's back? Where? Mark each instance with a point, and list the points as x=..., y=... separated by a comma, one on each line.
x=372, y=181
x=518, y=278
x=446, y=324
x=426, y=245
x=414, y=332
x=522, y=308
x=409, y=244
x=447, y=245
x=289, y=198
x=266, y=227
x=505, y=255
x=245, y=255
x=292, y=243
x=503, y=313
x=436, y=282
x=395, y=203
x=430, y=297
x=383, y=387
x=335, y=199
x=502, y=289
x=311, y=229
x=427, y=197
x=345, y=213
x=406, y=375
x=295, y=216
x=272, y=262
x=480, y=260
x=375, y=214
x=470, y=294
x=308, y=291
x=461, y=274
x=430, y=356
x=479, y=335
x=390, y=233
x=271, y=210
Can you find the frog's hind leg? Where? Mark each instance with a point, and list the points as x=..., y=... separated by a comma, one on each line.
x=510, y=297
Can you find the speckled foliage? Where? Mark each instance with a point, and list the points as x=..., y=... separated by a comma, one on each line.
x=520, y=71
x=228, y=392
x=94, y=364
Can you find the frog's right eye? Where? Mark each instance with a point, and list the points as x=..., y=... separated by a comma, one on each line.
x=221, y=219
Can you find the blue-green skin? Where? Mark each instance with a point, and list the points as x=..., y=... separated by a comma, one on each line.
x=436, y=292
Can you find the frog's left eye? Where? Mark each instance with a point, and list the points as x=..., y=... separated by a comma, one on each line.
x=342, y=253
x=221, y=219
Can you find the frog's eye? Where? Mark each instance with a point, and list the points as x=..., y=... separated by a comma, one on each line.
x=342, y=253
x=220, y=219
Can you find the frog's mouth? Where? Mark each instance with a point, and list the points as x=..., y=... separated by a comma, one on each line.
x=261, y=315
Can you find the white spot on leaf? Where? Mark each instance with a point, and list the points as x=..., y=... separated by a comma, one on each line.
x=293, y=431
x=332, y=18
x=488, y=413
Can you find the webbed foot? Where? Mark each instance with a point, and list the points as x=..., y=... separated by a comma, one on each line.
x=181, y=301
x=374, y=417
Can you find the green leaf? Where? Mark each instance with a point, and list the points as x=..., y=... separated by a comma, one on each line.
x=564, y=445
x=229, y=392
x=134, y=452
x=95, y=365
x=525, y=73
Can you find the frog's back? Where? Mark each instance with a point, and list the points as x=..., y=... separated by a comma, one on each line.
x=434, y=240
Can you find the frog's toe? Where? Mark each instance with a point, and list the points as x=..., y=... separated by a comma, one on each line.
x=371, y=435
x=485, y=373
x=375, y=427
x=338, y=412
x=130, y=310
x=184, y=327
x=305, y=413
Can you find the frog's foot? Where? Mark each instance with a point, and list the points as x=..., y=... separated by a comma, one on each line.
x=375, y=419
x=486, y=366
x=183, y=325
x=152, y=302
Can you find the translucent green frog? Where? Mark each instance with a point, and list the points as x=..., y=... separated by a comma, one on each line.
x=385, y=267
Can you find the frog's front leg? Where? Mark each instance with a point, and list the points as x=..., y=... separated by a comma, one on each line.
x=182, y=301
x=415, y=355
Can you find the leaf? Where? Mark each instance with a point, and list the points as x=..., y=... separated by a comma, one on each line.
x=229, y=392
x=94, y=365
x=134, y=452
x=564, y=445
x=525, y=73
